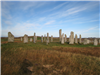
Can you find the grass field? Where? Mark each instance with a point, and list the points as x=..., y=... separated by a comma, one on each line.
x=51, y=59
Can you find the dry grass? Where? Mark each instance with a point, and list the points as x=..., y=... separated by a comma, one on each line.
x=93, y=51
x=49, y=60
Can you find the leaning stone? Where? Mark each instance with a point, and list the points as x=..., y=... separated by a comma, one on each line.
x=10, y=37
x=95, y=42
x=25, y=38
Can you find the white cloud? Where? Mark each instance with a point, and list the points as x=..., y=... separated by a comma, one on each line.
x=56, y=7
x=90, y=29
x=50, y=22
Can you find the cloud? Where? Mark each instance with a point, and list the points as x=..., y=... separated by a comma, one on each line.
x=57, y=7
x=91, y=29
x=50, y=22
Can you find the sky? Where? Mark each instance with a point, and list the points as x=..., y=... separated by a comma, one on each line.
x=42, y=17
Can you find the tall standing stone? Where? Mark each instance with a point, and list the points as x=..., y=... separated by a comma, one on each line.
x=62, y=38
x=60, y=35
x=42, y=38
x=45, y=38
x=71, y=38
x=21, y=39
x=76, y=38
x=25, y=38
x=10, y=37
x=65, y=38
x=51, y=38
x=48, y=37
x=80, y=39
x=34, y=38
x=95, y=42
x=30, y=39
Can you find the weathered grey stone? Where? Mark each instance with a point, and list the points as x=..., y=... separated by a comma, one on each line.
x=71, y=38
x=10, y=37
x=85, y=41
x=95, y=42
x=60, y=35
x=21, y=39
x=62, y=38
x=80, y=39
x=48, y=37
x=65, y=38
x=25, y=38
x=51, y=38
x=42, y=38
x=88, y=41
x=76, y=38
x=35, y=37
x=30, y=39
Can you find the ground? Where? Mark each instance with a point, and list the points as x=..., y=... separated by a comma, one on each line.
x=51, y=59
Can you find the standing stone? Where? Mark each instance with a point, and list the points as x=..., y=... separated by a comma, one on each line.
x=85, y=42
x=45, y=38
x=25, y=38
x=51, y=38
x=88, y=41
x=21, y=39
x=65, y=38
x=95, y=42
x=60, y=35
x=71, y=38
x=34, y=38
x=62, y=38
x=10, y=37
x=76, y=38
x=80, y=39
x=48, y=37
x=30, y=39
x=42, y=38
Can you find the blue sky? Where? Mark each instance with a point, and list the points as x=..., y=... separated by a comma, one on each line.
x=23, y=17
